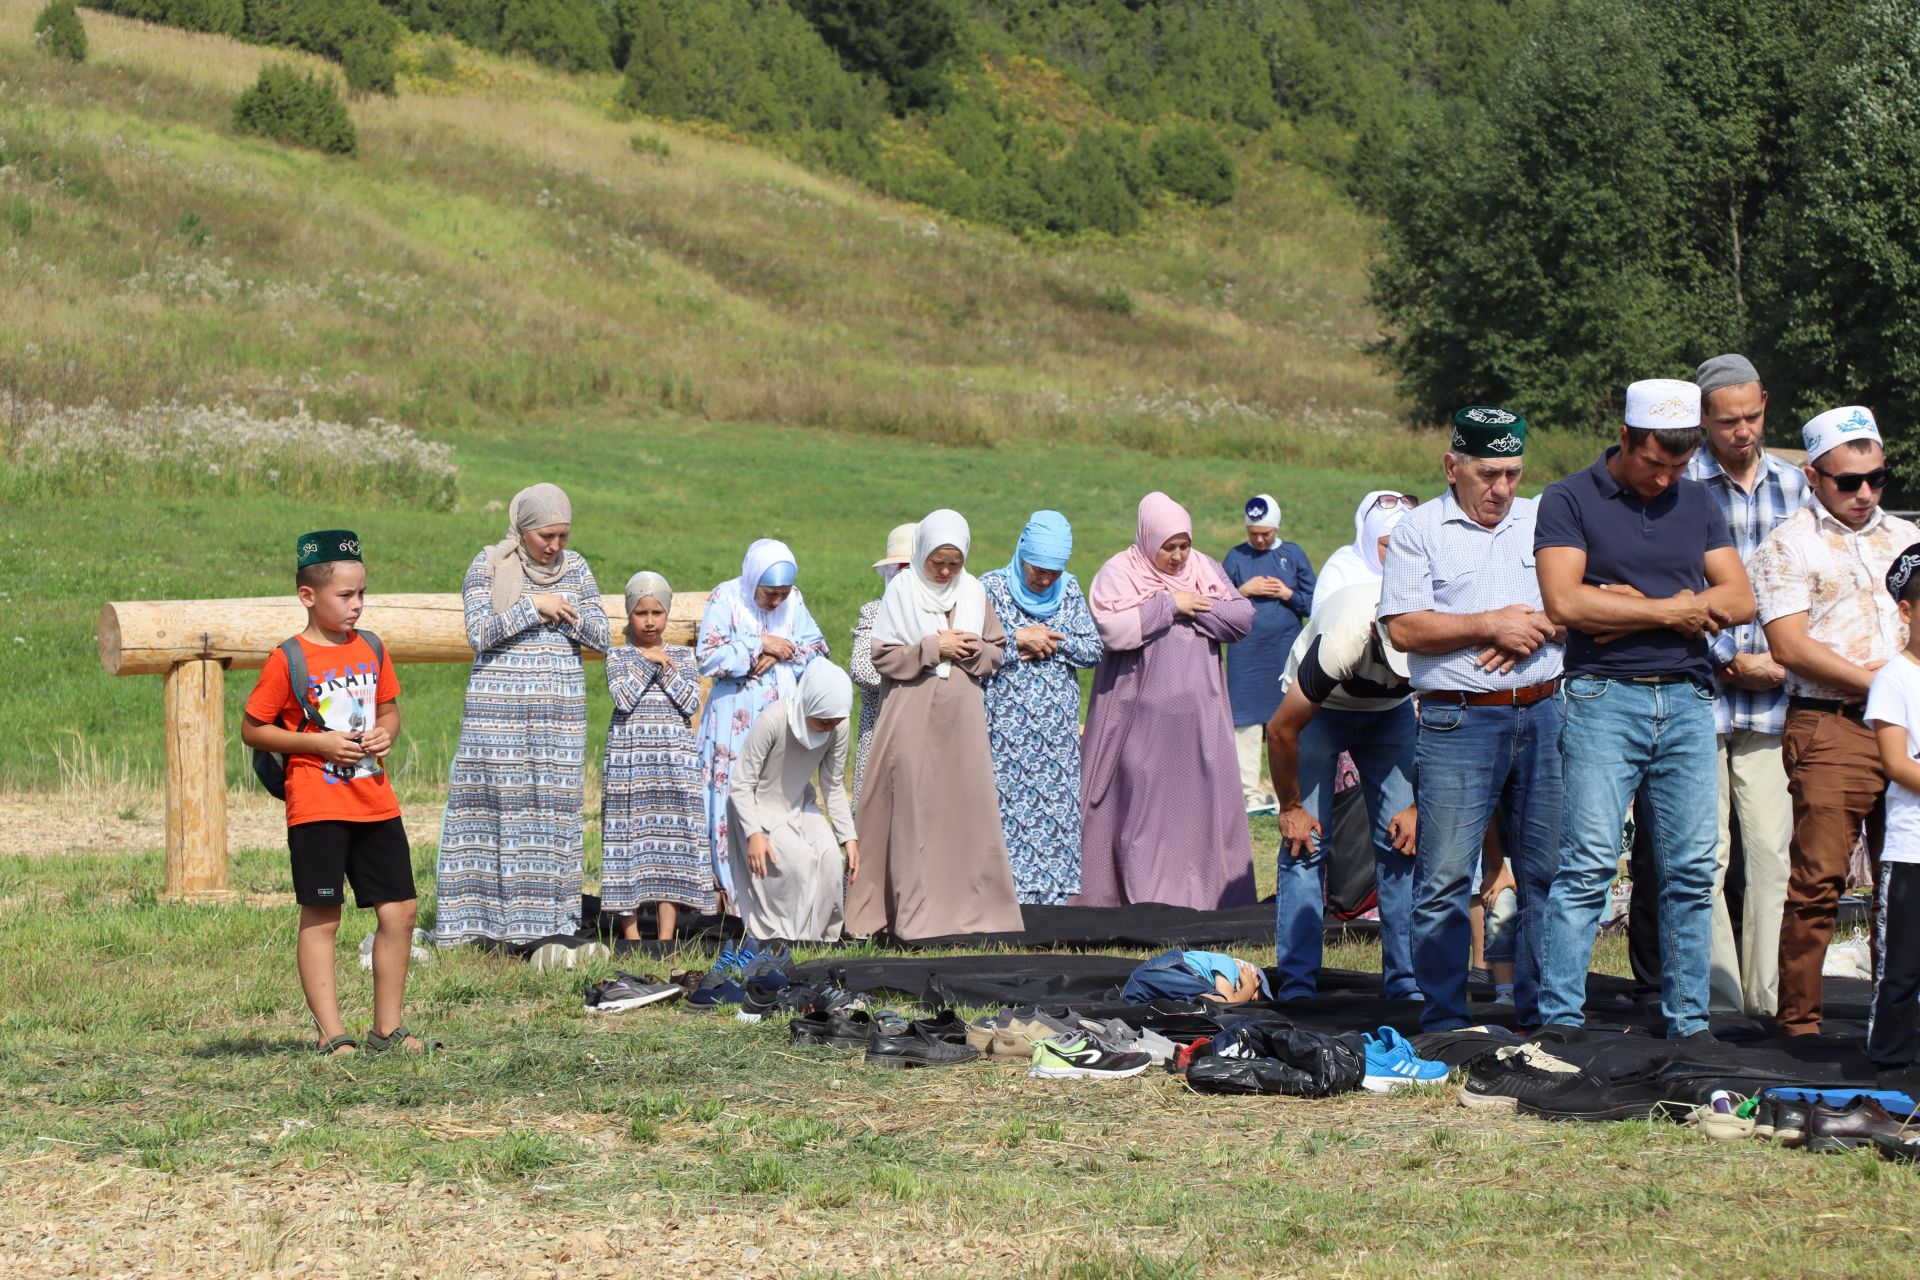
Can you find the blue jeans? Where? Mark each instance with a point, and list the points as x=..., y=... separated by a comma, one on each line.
x=1616, y=737
x=1381, y=743
x=1470, y=759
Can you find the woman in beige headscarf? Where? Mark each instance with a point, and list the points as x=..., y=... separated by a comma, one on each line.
x=510, y=844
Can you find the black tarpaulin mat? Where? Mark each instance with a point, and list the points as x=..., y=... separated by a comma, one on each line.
x=1623, y=1032
x=1146, y=925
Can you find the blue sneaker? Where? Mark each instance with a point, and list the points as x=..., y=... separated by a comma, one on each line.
x=724, y=982
x=1392, y=1064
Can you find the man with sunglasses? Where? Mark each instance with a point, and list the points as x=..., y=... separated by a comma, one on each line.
x=1820, y=581
x=1461, y=596
x=1637, y=562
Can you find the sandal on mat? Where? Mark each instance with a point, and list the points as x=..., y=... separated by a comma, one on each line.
x=397, y=1039
x=336, y=1044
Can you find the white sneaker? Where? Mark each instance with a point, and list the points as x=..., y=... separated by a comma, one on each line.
x=420, y=954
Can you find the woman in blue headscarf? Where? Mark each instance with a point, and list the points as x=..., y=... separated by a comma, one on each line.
x=756, y=638
x=1033, y=708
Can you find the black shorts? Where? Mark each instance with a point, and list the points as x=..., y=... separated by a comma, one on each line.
x=373, y=856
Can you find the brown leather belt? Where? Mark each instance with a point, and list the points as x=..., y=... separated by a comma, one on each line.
x=1828, y=706
x=1503, y=698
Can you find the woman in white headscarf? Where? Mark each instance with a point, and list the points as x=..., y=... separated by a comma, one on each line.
x=510, y=844
x=934, y=856
x=756, y=638
x=1359, y=561
x=787, y=805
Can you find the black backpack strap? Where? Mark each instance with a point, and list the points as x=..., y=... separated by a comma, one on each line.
x=297, y=680
x=379, y=658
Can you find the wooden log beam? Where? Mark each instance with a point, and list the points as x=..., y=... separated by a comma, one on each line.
x=152, y=637
x=196, y=754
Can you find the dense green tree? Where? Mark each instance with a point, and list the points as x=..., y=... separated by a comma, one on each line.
x=1841, y=298
x=562, y=33
x=305, y=110
x=58, y=32
x=1191, y=162
x=907, y=44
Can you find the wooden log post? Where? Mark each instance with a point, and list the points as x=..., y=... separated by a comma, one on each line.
x=192, y=644
x=194, y=695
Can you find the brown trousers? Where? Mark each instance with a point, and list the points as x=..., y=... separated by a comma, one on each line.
x=1835, y=779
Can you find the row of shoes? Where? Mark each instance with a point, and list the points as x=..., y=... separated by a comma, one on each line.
x=1817, y=1126
x=1053, y=1048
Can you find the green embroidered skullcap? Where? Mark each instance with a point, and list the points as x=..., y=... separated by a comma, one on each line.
x=1482, y=431
x=326, y=545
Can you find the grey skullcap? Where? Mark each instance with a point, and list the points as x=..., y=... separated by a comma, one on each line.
x=1722, y=372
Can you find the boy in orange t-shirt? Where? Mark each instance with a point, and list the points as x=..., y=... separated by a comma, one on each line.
x=343, y=820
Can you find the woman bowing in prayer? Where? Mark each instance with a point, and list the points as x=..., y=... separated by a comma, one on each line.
x=933, y=860
x=509, y=867
x=1359, y=561
x=756, y=638
x=1159, y=780
x=1033, y=708
x=786, y=852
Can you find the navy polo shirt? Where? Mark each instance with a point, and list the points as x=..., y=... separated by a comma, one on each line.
x=1659, y=548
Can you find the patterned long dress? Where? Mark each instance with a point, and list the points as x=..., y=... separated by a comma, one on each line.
x=1033, y=726
x=510, y=844
x=873, y=691
x=729, y=642
x=653, y=816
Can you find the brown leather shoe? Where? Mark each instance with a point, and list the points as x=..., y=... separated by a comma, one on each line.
x=1831, y=1129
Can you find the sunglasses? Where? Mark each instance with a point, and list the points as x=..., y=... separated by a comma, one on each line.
x=1388, y=501
x=1850, y=482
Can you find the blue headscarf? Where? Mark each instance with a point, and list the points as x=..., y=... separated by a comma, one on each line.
x=1046, y=543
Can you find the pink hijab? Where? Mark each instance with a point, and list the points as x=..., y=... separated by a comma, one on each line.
x=1130, y=579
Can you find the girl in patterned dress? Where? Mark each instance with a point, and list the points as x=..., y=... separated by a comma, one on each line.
x=653, y=818
x=756, y=637
x=1033, y=709
x=509, y=868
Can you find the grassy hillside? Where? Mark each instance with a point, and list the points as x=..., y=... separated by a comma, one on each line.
x=703, y=342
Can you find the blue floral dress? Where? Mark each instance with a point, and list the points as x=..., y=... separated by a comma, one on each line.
x=1033, y=727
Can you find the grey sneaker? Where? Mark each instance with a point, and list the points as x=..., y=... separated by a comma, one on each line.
x=624, y=991
x=1121, y=1038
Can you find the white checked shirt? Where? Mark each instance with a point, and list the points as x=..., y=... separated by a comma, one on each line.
x=1837, y=576
x=1778, y=491
x=1442, y=559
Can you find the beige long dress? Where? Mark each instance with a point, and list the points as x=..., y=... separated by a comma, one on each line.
x=773, y=790
x=933, y=859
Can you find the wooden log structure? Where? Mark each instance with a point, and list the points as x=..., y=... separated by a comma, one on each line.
x=193, y=643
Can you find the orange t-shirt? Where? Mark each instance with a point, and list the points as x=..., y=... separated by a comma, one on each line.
x=346, y=691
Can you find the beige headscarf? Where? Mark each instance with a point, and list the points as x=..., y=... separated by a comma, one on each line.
x=649, y=586
x=534, y=507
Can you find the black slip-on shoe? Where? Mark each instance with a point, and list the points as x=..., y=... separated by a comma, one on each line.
x=1632, y=1095
x=944, y=1025
x=913, y=1049
x=1790, y=1121
x=811, y=1028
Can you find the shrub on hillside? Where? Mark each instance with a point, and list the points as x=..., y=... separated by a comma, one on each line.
x=222, y=17
x=1192, y=162
x=305, y=110
x=908, y=44
x=369, y=68
x=58, y=33
x=561, y=33
x=344, y=30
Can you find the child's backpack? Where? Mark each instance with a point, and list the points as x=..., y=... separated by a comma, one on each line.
x=271, y=766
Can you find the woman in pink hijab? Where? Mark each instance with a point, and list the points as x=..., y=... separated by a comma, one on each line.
x=1162, y=818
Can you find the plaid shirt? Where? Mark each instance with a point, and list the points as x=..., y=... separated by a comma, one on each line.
x=1779, y=491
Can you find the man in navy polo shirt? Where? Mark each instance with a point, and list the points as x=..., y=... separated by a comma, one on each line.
x=1638, y=563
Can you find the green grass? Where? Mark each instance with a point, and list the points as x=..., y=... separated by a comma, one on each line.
x=194, y=1072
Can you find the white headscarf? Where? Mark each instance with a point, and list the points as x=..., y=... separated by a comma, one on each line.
x=1359, y=562
x=762, y=556
x=534, y=507
x=825, y=693
x=915, y=606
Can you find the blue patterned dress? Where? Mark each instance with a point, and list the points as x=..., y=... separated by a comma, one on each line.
x=1033, y=726
x=653, y=810
x=510, y=844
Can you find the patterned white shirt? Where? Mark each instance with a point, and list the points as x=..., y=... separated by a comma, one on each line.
x=1814, y=564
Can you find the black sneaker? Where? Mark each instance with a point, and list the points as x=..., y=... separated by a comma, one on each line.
x=1790, y=1121
x=772, y=994
x=1763, y=1118
x=911, y=1046
x=1502, y=1080
x=1631, y=1095
x=624, y=991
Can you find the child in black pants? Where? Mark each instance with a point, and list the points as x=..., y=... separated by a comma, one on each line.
x=1893, y=712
